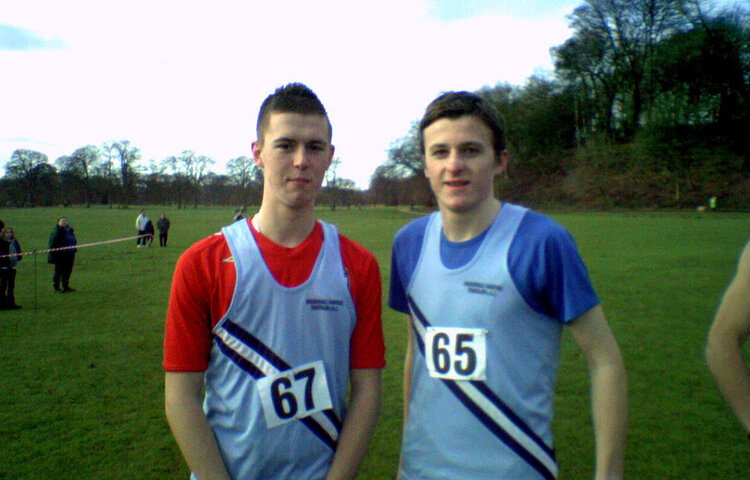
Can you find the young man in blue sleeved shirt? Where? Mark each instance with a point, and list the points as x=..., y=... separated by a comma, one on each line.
x=488, y=287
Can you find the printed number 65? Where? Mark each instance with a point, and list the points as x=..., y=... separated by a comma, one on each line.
x=441, y=355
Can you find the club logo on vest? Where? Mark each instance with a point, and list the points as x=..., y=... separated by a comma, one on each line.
x=480, y=288
x=329, y=304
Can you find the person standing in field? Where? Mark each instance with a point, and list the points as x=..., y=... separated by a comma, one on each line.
x=239, y=214
x=728, y=332
x=488, y=287
x=713, y=202
x=9, y=257
x=62, y=237
x=163, y=224
x=149, y=232
x=276, y=317
x=141, y=222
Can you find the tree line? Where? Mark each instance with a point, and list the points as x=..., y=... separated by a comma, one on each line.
x=648, y=106
x=111, y=175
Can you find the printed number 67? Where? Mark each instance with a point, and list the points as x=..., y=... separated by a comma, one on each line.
x=285, y=402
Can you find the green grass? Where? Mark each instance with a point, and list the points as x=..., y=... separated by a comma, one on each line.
x=81, y=381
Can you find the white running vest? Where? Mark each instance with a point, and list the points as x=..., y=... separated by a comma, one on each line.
x=279, y=362
x=483, y=409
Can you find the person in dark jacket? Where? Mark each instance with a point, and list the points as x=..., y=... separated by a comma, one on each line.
x=62, y=237
x=9, y=257
x=163, y=224
x=149, y=233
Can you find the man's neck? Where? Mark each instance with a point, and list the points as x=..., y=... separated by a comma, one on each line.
x=287, y=228
x=463, y=226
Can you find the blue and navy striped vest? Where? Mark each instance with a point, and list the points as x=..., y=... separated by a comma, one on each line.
x=269, y=329
x=499, y=427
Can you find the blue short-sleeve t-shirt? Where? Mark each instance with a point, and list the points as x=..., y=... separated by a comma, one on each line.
x=543, y=260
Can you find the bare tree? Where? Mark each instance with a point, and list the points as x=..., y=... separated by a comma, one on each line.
x=24, y=165
x=246, y=174
x=127, y=156
x=82, y=162
x=194, y=168
x=332, y=183
x=105, y=169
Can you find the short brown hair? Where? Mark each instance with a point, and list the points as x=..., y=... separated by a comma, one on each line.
x=291, y=98
x=458, y=104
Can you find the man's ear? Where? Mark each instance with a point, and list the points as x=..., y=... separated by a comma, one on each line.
x=502, y=162
x=330, y=157
x=256, y=154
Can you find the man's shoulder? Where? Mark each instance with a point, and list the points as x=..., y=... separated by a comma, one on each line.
x=538, y=227
x=412, y=232
x=355, y=251
x=207, y=249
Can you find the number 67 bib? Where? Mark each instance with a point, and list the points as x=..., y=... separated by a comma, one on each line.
x=456, y=353
x=294, y=393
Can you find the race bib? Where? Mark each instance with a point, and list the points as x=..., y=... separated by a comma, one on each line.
x=294, y=394
x=456, y=353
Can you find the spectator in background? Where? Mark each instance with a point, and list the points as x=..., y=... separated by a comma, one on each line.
x=9, y=258
x=63, y=237
x=239, y=214
x=163, y=226
x=149, y=232
x=140, y=224
x=713, y=202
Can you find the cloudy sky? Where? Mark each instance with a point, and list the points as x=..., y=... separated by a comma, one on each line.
x=190, y=75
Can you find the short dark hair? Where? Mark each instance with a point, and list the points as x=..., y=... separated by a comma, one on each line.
x=290, y=98
x=458, y=104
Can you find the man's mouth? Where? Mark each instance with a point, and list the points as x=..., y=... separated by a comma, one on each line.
x=456, y=183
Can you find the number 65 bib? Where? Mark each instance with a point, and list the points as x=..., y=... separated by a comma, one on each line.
x=294, y=393
x=456, y=353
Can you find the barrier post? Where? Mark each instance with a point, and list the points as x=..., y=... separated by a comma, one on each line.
x=34, y=255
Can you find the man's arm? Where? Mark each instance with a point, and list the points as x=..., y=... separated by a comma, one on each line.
x=183, y=394
x=359, y=423
x=407, y=381
x=724, y=350
x=408, y=366
x=608, y=390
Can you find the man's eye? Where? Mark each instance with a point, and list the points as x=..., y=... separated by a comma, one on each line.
x=440, y=152
x=472, y=151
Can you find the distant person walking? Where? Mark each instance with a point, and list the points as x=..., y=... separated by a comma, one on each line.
x=163, y=225
x=9, y=258
x=140, y=224
x=62, y=236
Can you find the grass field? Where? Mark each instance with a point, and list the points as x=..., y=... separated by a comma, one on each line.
x=81, y=384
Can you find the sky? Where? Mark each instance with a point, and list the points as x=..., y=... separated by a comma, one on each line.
x=184, y=75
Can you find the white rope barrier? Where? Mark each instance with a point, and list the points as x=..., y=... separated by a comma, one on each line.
x=83, y=245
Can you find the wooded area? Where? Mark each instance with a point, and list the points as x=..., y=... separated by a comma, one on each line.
x=648, y=106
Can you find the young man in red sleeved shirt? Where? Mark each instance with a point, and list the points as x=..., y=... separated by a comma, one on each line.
x=275, y=318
